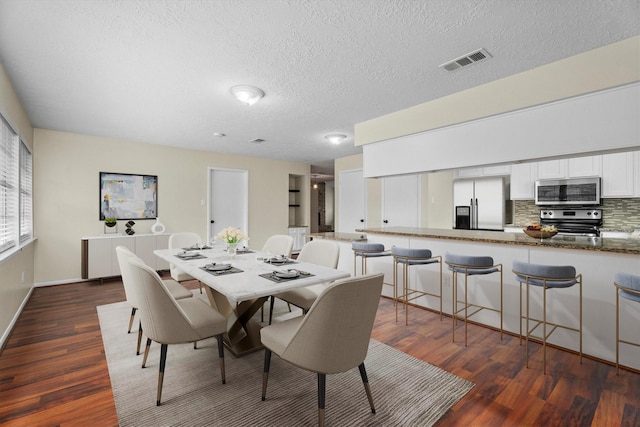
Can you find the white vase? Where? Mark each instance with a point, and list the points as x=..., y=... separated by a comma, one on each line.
x=158, y=227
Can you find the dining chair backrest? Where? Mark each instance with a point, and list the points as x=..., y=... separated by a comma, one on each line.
x=163, y=319
x=333, y=337
x=279, y=244
x=321, y=252
x=124, y=254
x=184, y=240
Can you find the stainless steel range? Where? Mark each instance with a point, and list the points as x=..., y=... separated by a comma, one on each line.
x=574, y=222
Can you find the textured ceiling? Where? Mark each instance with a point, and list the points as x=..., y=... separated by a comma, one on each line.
x=159, y=71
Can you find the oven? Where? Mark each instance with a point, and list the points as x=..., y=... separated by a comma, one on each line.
x=573, y=222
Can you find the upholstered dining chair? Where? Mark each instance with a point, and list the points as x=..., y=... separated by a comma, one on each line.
x=178, y=291
x=333, y=337
x=185, y=239
x=321, y=252
x=278, y=244
x=171, y=321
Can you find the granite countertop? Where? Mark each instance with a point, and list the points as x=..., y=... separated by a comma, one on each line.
x=626, y=246
x=342, y=237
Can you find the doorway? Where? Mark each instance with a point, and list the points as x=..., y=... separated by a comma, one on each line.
x=228, y=200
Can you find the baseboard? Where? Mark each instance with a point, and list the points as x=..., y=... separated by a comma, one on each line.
x=7, y=332
x=60, y=282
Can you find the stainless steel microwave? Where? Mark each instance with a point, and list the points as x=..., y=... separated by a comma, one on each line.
x=574, y=191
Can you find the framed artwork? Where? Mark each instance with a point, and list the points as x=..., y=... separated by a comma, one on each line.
x=128, y=196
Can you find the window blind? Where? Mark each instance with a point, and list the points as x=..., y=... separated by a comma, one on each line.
x=26, y=193
x=8, y=186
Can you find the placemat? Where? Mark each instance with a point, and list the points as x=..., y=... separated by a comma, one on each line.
x=223, y=272
x=195, y=248
x=188, y=258
x=271, y=276
x=289, y=261
x=244, y=251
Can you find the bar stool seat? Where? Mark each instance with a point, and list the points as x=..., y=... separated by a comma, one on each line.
x=546, y=277
x=366, y=250
x=412, y=257
x=471, y=266
x=627, y=287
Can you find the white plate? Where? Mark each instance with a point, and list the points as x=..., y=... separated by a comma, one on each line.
x=289, y=274
x=217, y=267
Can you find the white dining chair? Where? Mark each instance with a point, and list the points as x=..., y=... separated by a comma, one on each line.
x=128, y=282
x=319, y=251
x=278, y=244
x=333, y=337
x=171, y=321
x=179, y=241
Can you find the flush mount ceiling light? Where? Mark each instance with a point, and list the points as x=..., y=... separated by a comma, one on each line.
x=248, y=95
x=335, y=138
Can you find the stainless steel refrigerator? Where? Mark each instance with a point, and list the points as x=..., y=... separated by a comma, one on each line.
x=481, y=203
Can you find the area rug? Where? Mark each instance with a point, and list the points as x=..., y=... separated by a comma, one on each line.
x=406, y=391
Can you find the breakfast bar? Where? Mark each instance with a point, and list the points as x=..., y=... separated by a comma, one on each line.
x=596, y=258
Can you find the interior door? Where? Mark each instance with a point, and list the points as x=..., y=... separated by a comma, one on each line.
x=228, y=200
x=352, y=201
x=400, y=201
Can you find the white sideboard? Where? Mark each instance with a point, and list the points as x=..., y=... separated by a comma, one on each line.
x=99, y=256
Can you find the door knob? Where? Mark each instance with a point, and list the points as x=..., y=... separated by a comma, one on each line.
x=386, y=221
x=362, y=220
x=212, y=221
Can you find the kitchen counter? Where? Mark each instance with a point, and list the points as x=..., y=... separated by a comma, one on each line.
x=626, y=246
x=341, y=237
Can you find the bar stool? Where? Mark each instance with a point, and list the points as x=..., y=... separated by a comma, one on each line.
x=365, y=251
x=470, y=266
x=408, y=257
x=546, y=277
x=627, y=287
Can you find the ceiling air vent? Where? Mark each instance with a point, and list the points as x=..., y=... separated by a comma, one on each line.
x=257, y=141
x=468, y=59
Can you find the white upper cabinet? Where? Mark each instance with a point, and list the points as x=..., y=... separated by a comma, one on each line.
x=523, y=178
x=482, y=172
x=584, y=166
x=552, y=169
x=618, y=175
x=577, y=167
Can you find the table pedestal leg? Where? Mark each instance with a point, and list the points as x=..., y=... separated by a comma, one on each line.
x=243, y=333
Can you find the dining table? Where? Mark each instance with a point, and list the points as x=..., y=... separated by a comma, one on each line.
x=237, y=285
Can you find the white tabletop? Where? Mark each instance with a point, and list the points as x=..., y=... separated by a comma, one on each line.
x=248, y=284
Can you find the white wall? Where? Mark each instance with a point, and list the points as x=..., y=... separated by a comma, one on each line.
x=16, y=272
x=598, y=122
x=66, y=198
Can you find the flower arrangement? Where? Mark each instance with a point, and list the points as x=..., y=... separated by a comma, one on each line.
x=231, y=235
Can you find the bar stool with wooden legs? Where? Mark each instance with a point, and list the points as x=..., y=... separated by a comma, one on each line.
x=627, y=287
x=470, y=266
x=364, y=251
x=410, y=257
x=546, y=277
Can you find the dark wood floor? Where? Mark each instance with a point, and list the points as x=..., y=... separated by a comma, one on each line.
x=53, y=370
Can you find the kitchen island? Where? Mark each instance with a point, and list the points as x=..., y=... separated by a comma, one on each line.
x=597, y=259
x=625, y=246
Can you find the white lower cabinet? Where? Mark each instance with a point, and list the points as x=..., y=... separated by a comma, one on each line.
x=99, y=257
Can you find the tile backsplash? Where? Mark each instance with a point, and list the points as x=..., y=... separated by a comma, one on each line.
x=617, y=214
